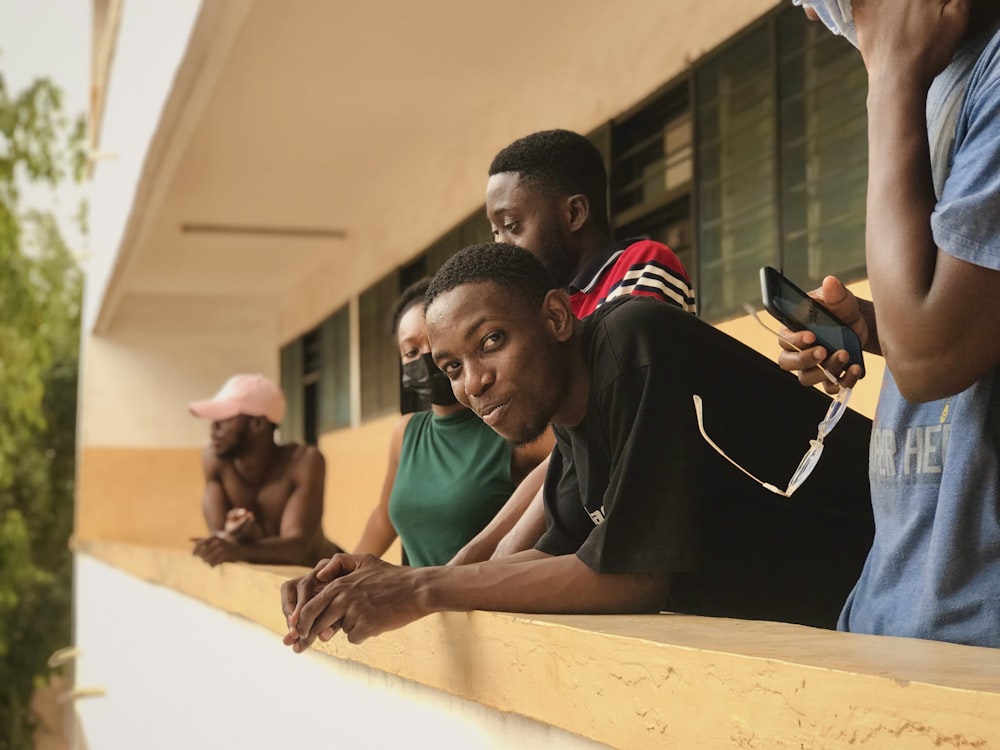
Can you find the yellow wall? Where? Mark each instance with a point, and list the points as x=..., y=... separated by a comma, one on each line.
x=169, y=343
x=577, y=65
x=356, y=461
x=193, y=676
x=628, y=681
x=153, y=495
x=142, y=495
x=137, y=380
x=139, y=475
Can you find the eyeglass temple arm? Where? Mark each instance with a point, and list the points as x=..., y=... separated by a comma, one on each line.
x=701, y=428
x=748, y=308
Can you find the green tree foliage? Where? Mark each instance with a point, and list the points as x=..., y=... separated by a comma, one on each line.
x=40, y=290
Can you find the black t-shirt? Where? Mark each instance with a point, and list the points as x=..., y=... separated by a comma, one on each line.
x=635, y=489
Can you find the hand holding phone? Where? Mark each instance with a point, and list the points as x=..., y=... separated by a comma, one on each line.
x=800, y=312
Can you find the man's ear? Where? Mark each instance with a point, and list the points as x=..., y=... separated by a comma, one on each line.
x=577, y=211
x=260, y=424
x=558, y=315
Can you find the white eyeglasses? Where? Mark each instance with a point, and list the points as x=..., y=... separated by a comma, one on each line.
x=809, y=461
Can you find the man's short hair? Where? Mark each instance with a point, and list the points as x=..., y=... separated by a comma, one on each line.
x=507, y=266
x=558, y=162
x=412, y=295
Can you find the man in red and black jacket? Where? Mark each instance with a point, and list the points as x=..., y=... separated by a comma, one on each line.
x=547, y=193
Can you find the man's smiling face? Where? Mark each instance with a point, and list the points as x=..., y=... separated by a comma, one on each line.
x=503, y=360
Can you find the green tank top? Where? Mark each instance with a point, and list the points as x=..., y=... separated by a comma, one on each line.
x=453, y=477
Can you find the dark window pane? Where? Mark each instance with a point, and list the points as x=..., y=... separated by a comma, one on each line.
x=310, y=385
x=335, y=371
x=413, y=272
x=291, y=385
x=824, y=154
x=438, y=253
x=379, y=353
x=737, y=169
x=474, y=229
x=799, y=204
x=652, y=157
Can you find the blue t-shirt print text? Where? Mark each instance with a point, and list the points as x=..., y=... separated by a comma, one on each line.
x=914, y=455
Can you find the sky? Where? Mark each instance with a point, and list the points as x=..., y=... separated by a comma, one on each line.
x=49, y=38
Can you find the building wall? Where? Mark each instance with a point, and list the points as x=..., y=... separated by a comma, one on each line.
x=134, y=97
x=187, y=675
x=182, y=675
x=140, y=476
x=622, y=55
x=203, y=663
x=356, y=460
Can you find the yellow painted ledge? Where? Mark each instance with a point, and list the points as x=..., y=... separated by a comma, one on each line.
x=649, y=681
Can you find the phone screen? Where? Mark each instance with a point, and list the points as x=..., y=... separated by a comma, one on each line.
x=805, y=310
x=799, y=311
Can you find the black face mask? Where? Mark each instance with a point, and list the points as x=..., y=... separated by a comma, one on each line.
x=422, y=377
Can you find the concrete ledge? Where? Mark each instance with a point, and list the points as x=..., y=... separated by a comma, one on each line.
x=648, y=681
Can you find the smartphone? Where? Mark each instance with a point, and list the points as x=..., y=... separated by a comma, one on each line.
x=800, y=312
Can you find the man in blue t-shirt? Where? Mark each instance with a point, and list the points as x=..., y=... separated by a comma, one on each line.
x=933, y=256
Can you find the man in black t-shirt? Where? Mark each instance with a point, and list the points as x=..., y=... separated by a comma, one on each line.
x=642, y=513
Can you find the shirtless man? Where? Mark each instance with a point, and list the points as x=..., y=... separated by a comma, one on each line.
x=263, y=502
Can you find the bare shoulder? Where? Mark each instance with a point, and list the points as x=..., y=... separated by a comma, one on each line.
x=400, y=428
x=300, y=454
x=211, y=463
x=396, y=440
x=304, y=460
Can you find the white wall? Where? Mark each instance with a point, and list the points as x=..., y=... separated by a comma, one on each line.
x=151, y=44
x=180, y=674
x=136, y=383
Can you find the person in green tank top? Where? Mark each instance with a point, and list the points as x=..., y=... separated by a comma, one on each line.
x=448, y=472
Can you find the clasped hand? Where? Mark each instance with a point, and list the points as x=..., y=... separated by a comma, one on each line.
x=241, y=527
x=358, y=594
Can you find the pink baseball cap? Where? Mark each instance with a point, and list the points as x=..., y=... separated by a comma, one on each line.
x=252, y=395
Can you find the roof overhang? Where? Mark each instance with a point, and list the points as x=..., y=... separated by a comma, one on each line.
x=305, y=138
